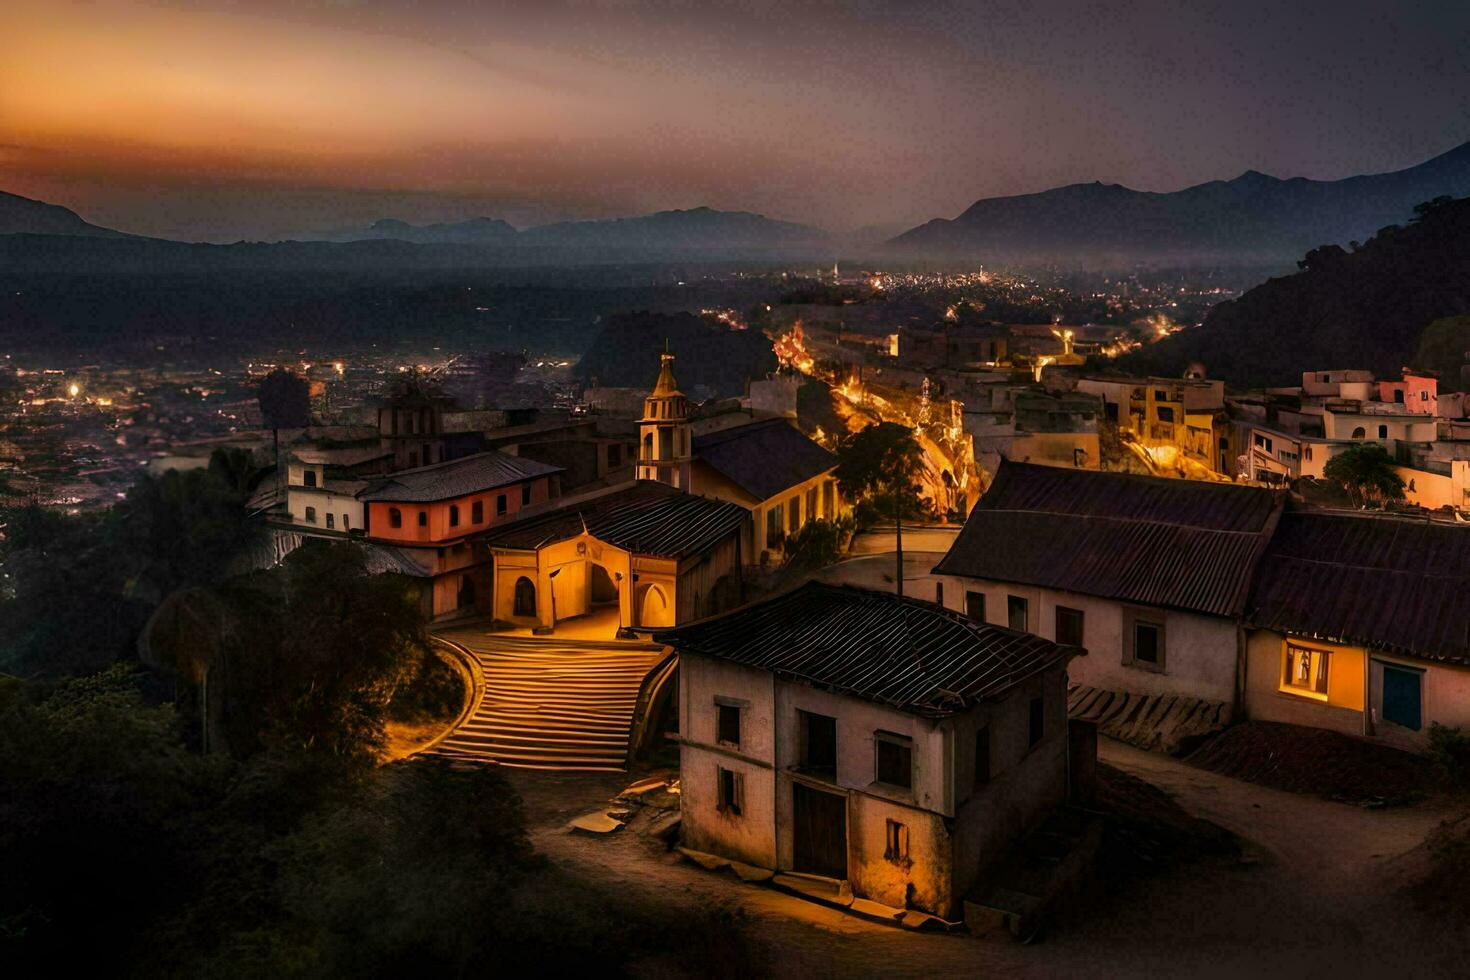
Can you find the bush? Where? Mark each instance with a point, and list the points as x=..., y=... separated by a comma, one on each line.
x=1449, y=750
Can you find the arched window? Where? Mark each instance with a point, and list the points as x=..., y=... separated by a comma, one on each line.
x=525, y=604
x=395, y=517
x=1359, y=433
x=454, y=515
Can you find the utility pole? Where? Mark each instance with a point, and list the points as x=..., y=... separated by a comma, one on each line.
x=898, y=537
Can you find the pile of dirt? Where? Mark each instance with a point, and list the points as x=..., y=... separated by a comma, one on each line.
x=1147, y=832
x=1316, y=761
x=1441, y=881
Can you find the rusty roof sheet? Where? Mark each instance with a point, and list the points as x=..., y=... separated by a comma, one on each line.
x=647, y=518
x=1390, y=583
x=906, y=653
x=1179, y=544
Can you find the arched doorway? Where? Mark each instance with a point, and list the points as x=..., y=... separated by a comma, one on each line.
x=466, y=591
x=525, y=604
x=654, y=608
x=604, y=589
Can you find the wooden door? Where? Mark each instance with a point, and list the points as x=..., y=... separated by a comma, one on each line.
x=819, y=832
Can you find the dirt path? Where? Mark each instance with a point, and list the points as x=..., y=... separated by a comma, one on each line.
x=1308, y=901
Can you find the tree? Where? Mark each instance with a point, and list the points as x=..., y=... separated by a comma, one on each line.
x=1367, y=473
x=285, y=403
x=882, y=459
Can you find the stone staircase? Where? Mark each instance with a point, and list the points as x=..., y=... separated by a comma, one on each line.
x=547, y=703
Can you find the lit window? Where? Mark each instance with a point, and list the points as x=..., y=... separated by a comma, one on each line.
x=730, y=792
x=1304, y=671
x=895, y=763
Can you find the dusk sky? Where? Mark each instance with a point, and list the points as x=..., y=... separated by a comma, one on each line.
x=257, y=118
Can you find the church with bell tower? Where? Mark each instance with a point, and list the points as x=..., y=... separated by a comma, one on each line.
x=664, y=444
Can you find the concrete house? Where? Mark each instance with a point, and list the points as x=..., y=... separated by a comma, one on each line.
x=854, y=736
x=1361, y=624
x=771, y=469
x=1149, y=575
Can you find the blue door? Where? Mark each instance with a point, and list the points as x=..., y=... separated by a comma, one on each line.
x=1401, y=696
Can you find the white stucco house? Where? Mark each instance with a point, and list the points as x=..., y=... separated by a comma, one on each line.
x=1150, y=575
x=887, y=743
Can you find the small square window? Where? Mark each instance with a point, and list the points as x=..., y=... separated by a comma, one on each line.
x=1037, y=720
x=1069, y=626
x=1143, y=637
x=895, y=760
x=818, y=743
x=727, y=724
x=897, y=847
x=1017, y=613
x=730, y=792
x=982, y=755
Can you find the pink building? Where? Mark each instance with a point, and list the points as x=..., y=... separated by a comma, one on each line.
x=1416, y=392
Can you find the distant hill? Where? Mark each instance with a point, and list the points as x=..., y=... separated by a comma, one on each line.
x=624, y=354
x=1367, y=308
x=23, y=216
x=476, y=231
x=698, y=228
x=1253, y=219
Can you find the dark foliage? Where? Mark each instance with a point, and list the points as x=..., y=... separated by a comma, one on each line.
x=285, y=400
x=1363, y=309
x=878, y=459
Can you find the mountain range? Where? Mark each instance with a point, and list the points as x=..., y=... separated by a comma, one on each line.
x=1253, y=219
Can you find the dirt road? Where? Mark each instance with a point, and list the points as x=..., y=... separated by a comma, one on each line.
x=1314, y=897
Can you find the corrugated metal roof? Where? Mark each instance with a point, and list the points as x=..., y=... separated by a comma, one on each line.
x=456, y=478
x=912, y=655
x=648, y=519
x=1179, y=544
x=763, y=458
x=1390, y=583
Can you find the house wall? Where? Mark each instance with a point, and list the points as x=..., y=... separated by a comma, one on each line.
x=1025, y=781
x=1353, y=670
x=1055, y=449
x=751, y=835
x=346, y=510
x=707, y=482
x=438, y=529
x=710, y=583
x=1199, y=651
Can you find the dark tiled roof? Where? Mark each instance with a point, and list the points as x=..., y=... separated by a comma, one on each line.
x=1181, y=544
x=457, y=477
x=763, y=458
x=1390, y=583
x=906, y=653
x=647, y=518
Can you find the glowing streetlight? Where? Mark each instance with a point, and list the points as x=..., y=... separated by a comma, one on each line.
x=74, y=389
